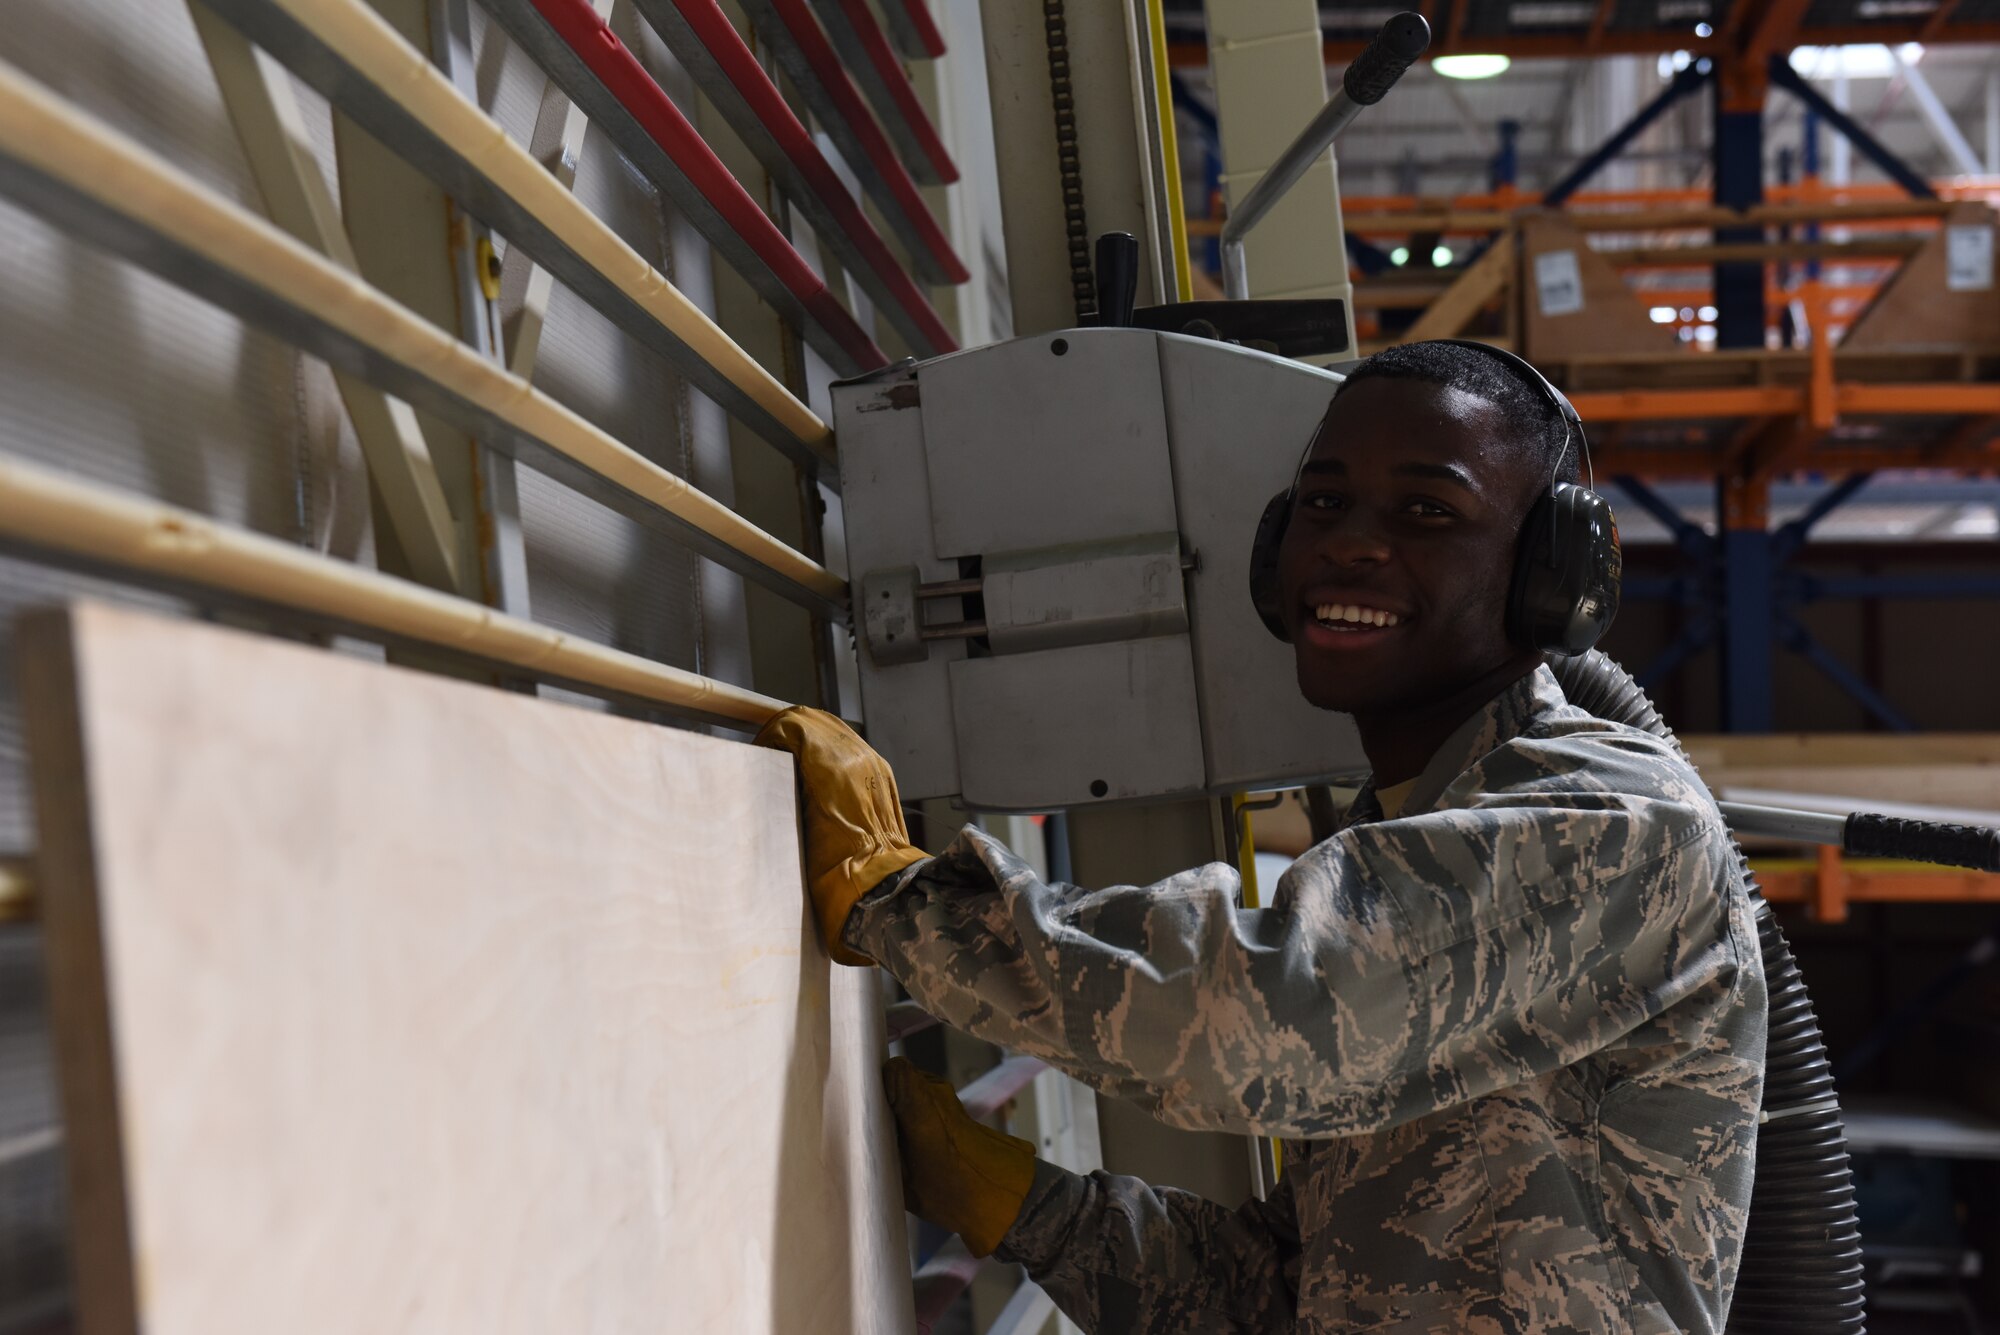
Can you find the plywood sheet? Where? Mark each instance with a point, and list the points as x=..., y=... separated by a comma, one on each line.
x=390, y=1003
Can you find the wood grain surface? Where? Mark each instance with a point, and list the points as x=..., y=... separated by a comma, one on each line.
x=390, y=1003
x=1611, y=319
x=1916, y=308
x=1953, y=770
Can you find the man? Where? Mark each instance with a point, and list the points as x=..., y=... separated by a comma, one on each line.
x=1509, y=1020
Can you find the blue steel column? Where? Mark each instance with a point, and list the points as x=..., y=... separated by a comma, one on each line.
x=1749, y=604
x=1749, y=608
x=1738, y=161
x=1505, y=168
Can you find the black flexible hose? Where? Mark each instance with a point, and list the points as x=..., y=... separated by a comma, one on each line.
x=1801, y=1265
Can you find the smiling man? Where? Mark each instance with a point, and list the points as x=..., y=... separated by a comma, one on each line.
x=1509, y=1020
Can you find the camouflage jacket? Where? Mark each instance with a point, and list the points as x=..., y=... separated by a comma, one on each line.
x=1513, y=1040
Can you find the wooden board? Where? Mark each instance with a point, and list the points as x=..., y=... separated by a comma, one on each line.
x=1960, y=770
x=1486, y=278
x=1841, y=749
x=1918, y=308
x=1603, y=316
x=390, y=1003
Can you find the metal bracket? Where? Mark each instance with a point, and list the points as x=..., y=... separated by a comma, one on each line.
x=257, y=93
x=1088, y=593
x=525, y=286
x=1053, y=598
x=890, y=618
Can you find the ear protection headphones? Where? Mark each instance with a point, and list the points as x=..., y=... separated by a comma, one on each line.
x=1567, y=564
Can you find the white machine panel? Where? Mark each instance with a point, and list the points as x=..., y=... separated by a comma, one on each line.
x=1087, y=499
x=1040, y=731
x=1059, y=438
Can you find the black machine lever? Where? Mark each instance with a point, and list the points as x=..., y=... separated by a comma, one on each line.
x=1117, y=278
x=1389, y=53
x=1294, y=328
x=1392, y=51
x=1870, y=835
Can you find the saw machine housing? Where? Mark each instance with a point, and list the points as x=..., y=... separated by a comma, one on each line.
x=1049, y=541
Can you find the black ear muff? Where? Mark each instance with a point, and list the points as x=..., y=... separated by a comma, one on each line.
x=1568, y=566
x=1264, y=595
x=1566, y=572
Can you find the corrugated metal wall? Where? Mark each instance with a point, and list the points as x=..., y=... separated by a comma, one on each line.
x=122, y=378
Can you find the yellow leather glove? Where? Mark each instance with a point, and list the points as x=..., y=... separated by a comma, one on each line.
x=854, y=832
x=957, y=1173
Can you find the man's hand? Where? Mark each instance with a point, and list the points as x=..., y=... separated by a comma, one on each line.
x=854, y=832
x=957, y=1173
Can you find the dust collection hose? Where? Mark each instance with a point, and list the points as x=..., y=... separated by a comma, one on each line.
x=1801, y=1263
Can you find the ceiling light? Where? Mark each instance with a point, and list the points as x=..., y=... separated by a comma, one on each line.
x=1862, y=60
x=1399, y=256
x=1707, y=313
x=1441, y=257
x=1662, y=314
x=1703, y=30
x=1470, y=67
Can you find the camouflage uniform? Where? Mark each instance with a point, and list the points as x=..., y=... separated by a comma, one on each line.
x=1514, y=1041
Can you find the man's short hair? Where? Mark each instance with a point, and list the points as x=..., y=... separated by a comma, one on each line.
x=1541, y=430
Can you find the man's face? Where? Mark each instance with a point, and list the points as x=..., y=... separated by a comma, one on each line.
x=1396, y=562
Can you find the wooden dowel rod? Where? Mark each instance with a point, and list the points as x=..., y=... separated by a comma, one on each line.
x=81, y=173
x=412, y=106
x=44, y=510
x=17, y=891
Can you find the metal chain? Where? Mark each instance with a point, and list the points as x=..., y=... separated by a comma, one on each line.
x=1068, y=161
